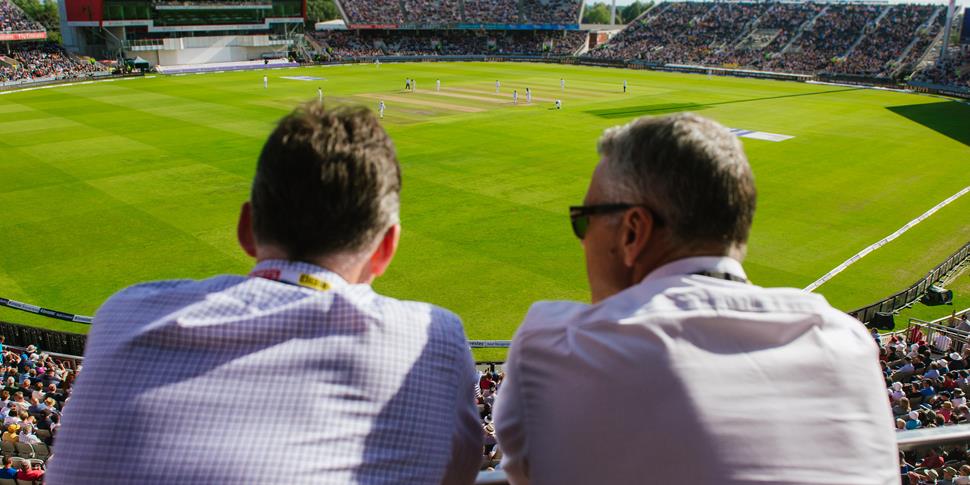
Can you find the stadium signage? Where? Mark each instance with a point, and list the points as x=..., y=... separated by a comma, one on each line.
x=373, y=26
x=23, y=36
x=489, y=344
x=26, y=307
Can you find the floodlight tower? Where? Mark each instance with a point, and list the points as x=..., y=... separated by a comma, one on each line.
x=613, y=13
x=950, y=13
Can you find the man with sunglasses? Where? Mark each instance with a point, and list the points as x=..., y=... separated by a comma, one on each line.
x=681, y=370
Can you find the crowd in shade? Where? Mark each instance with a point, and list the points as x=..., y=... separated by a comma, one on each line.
x=368, y=12
x=434, y=12
x=45, y=60
x=343, y=44
x=551, y=11
x=12, y=19
x=34, y=391
x=450, y=12
x=492, y=11
x=954, y=70
x=928, y=383
x=807, y=38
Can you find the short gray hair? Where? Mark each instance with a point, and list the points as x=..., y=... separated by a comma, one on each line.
x=691, y=171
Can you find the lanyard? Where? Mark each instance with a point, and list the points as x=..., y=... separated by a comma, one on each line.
x=292, y=278
x=722, y=276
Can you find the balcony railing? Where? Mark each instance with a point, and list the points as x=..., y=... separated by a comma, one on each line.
x=905, y=440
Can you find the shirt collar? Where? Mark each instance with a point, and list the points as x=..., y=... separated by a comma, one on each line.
x=689, y=266
x=334, y=279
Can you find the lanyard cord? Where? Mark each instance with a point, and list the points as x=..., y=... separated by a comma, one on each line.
x=722, y=276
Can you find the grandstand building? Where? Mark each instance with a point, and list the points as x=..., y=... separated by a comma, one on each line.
x=179, y=32
x=403, y=28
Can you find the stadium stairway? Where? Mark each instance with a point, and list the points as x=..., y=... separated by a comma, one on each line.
x=926, y=27
x=869, y=28
x=801, y=29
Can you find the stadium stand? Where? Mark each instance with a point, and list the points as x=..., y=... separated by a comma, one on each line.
x=46, y=60
x=807, y=38
x=492, y=11
x=882, y=48
x=12, y=19
x=341, y=45
x=451, y=12
x=386, y=12
x=952, y=71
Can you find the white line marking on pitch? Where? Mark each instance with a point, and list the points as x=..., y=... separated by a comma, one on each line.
x=886, y=240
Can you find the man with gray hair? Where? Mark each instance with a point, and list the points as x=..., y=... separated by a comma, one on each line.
x=365, y=388
x=681, y=370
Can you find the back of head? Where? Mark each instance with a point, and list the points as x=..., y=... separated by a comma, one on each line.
x=328, y=182
x=688, y=169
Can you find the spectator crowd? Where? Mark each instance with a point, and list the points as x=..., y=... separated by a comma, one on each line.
x=451, y=12
x=35, y=388
x=341, y=45
x=954, y=70
x=928, y=380
x=44, y=60
x=12, y=19
x=861, y=39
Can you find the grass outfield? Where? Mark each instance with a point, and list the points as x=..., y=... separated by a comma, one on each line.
x=107, y=184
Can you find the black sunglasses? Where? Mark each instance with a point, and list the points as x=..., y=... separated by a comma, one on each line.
x=579, y=215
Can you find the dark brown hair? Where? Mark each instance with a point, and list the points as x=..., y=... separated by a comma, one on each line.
x=328, y=181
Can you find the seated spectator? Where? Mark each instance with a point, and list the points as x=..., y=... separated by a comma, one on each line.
x=644, y=382
x=373, y=389
x=902, y=407
x=8, y=471
x=27, y=436
x=29, y=472
x=934, y=459
x=914, y=421
x=12, y=434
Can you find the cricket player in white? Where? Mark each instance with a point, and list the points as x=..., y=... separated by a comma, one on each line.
x=498, y=85
x=558, y=104
x=562, y=84
x=380, y=108
x=515, y=97
x=320, y=95
x=265, y=82
x=624, y=85
x=528, y=96
x=437, y=85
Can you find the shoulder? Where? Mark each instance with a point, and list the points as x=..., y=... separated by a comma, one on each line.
x=549, y=318
x=164, y=294
x=440, y=320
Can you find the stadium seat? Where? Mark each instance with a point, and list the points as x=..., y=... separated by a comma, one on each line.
x=41, y=452
x=26, y=482
x=17, y=461
x=24, y=450
x=43, y=434
x=7, y=448
x=8, y=481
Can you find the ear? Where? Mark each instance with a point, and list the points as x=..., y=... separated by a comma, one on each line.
x=381, y=259
x=637, y=229
x=244, y=230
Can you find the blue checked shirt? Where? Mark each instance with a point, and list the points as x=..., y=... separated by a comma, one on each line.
x=245, y=380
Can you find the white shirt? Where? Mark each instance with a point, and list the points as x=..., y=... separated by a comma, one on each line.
x=181, y=377
x=689, y=379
